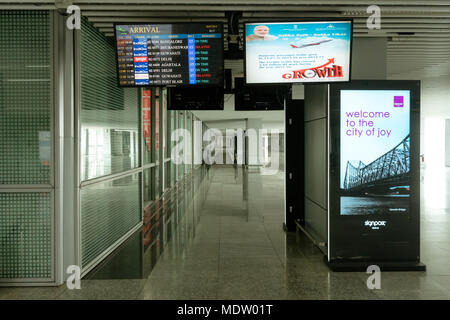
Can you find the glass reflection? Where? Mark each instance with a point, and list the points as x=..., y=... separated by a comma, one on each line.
x=107, y=151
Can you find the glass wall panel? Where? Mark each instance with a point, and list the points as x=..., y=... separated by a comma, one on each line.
x=188, y=143
x=108, y=211
x=173, y=175
x=167, y=174
x=157, y=109
x=181, y=125
x=25, y=110
x=109, y=115
x=147, y=124
x=25, y=235
x=156, y=177
x=26, y=145
x=109, y=144
x=166, y=124
x=173, y=126
x=148, y=186
x=167, y=150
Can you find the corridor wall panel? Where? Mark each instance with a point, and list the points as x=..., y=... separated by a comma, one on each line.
x=316, y=161
x=25, y=117
x=316, y=220
x=26, y=148
x=25, y=235
x=316, y=184
x=109, y=115
x=110, y=209
x=109, y=144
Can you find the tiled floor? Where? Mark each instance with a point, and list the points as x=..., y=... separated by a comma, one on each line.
x=238, y=250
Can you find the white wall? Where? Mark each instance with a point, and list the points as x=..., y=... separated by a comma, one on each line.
x=433, y=142
x=273, y=125
x=227, y=124
x=447, y=143
x=435, y=103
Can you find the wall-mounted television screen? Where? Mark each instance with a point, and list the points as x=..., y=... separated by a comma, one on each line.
x=298, y=52
x=195, y=98
x=249, y=98
x=178, y=54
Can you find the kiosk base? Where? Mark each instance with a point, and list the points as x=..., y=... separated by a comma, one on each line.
x=349, y=266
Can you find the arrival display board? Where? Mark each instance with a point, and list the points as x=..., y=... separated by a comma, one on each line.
x=169, y=54
x=374, y=213
x=296, y=52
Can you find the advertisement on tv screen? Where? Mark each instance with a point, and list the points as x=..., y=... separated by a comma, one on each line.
x=297, y=52
x=375, y=152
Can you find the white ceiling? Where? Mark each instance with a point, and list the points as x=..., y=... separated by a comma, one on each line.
x=424, y=54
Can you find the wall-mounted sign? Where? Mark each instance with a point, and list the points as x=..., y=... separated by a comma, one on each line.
x=178, y=54
x=296, y=52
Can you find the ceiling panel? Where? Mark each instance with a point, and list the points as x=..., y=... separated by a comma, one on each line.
x=412, y=54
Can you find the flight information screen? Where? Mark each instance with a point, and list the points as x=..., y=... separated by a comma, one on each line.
x=169, y=54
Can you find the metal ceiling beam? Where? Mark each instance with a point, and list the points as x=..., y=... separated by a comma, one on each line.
x=384, y=26
x=385, y=20
x=386, y=3
x=144, y=19
x=356, y=28
x=38, y=2
x=415, y=44
x=415, y=31
x=418, y=59
x=433, y=46
x=158, y=14
x=338, y=14
x=428, y=65
x=199, y=6
x=417, y=35
x=413, y=39
x=27, y=7
x=395, y=49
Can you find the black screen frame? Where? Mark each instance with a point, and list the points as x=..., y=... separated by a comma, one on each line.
x=300, y=21
x=222, y=75
x=220, y=99
x=281, y=91
x=348, y=238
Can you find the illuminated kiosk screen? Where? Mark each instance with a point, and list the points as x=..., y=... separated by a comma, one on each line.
x=375, y=152
x=169, y=54
x=298, y=52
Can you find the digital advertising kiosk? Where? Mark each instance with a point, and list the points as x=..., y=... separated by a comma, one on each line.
x=374, y=175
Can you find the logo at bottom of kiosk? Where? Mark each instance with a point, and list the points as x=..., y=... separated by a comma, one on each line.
x=375, y=224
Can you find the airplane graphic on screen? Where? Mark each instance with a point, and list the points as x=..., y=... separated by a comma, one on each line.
x=310, y=44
